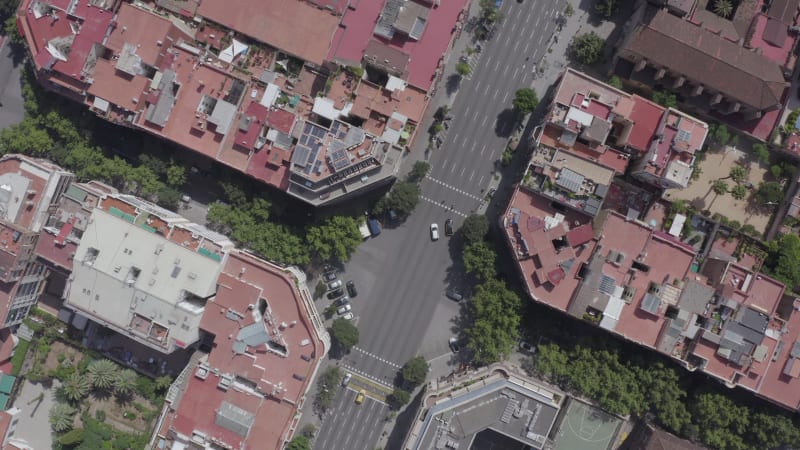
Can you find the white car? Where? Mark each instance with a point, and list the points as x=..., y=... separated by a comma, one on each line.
x=346, y=379
x=348, y=316
x=335, y=284
x=344, y=309
x=434, y=232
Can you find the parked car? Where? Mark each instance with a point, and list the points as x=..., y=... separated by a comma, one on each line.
x=526, y=347
x=346, y=379
x=344, y=309
x=335, y=293
x=454, y=347
x=434, y=232
x=351, y=288
x=448, y=227
x=453, y=294
x=348, y=316
x=336, y=284
x=329, y=276
x=341, y=301
x=360, y=397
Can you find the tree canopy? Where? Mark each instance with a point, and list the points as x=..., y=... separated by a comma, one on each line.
x=403, y=198
x=399, y=398
x=783, y=261
x=328, y=385
x=480, y=260
x=415, y=370
x=494, y=330
x=761, y=152
x=419, y=171
x=475, y=227
x=335, y=238
x=769, y=192
x=463, y=69
x=665, y=98
x=344, y=334
x=299, y=443
x=525, y=100
x=588, y=48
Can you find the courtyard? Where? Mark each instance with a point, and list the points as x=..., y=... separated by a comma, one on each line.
x=716, y=166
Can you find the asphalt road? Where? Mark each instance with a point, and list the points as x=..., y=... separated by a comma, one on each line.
x=12, y=110
x=402, y=276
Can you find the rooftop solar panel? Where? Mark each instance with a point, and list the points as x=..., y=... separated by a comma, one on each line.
x=300, y=155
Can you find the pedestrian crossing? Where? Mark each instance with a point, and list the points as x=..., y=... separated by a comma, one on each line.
x=460, y=191
x=371, y=355
x=381, y=385
x=443, y=206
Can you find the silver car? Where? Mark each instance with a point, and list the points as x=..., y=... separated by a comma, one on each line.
x=336, y=284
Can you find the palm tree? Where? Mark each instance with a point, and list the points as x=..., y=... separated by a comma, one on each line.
x=723, y=8
x=61, y=417
x=163, y=382
x=102, y=373
x=720, y=187
x=125, y=382
x=76, y=387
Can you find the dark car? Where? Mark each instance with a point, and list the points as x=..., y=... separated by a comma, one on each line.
x=453, y=294
x=454, y=347
x=336, y=294
x=448, y=227
x=329, y=276
x=341, y=302
x=351, y=288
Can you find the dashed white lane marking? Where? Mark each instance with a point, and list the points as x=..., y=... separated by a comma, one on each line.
x=454, y=188
x=371, y=355
x=443, y=206
x=371, y=378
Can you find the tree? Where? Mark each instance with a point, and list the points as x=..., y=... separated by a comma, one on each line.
x=723, y=8
x=525, y=100
x=665, y=98
x=463, y=69
x=72, y=437
x=722, y=135
x=419, y=171
x=163, y=383
x=496, y=316
x=299, y=443
x=344, y=334
x=606, y=8
x=679, y=207
x=784, y=259
x=769, y=192
x=403, y=198
x=738, y=173
x=327, y=387
x=169, y=198
x=588, y=48
x=12, y=31
x=480, y=260
x=335, y=238
x=720, y=187
x=399, y=398
x=61, y=417
x=76, y=387
x=125, y=382
x=615, y=81
x=569, y=10
x=415, y=370
x=739, y=191
x=102, y=374
x=475, y=227
x=175, y=174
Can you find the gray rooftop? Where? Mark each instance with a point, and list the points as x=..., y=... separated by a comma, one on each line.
x=695, y=297
x=570, y=180
x=233, y=418
x=222, y=116
x=158, y=113
x=503, y=406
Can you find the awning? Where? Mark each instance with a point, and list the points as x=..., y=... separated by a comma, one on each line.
x=100, y=104
x=235, y=49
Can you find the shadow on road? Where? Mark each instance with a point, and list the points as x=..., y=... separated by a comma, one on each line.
x=506, y=121
x=404, y=422
x=453, y=83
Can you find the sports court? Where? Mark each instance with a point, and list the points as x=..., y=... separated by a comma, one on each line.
x=586, y=427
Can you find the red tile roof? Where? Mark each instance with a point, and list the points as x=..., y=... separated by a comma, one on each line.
x=646, y=116
x=355, y=31
x=95, y=24
x=60, y=255
x=280, y=119
x=245, y=283
x=294, y=26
